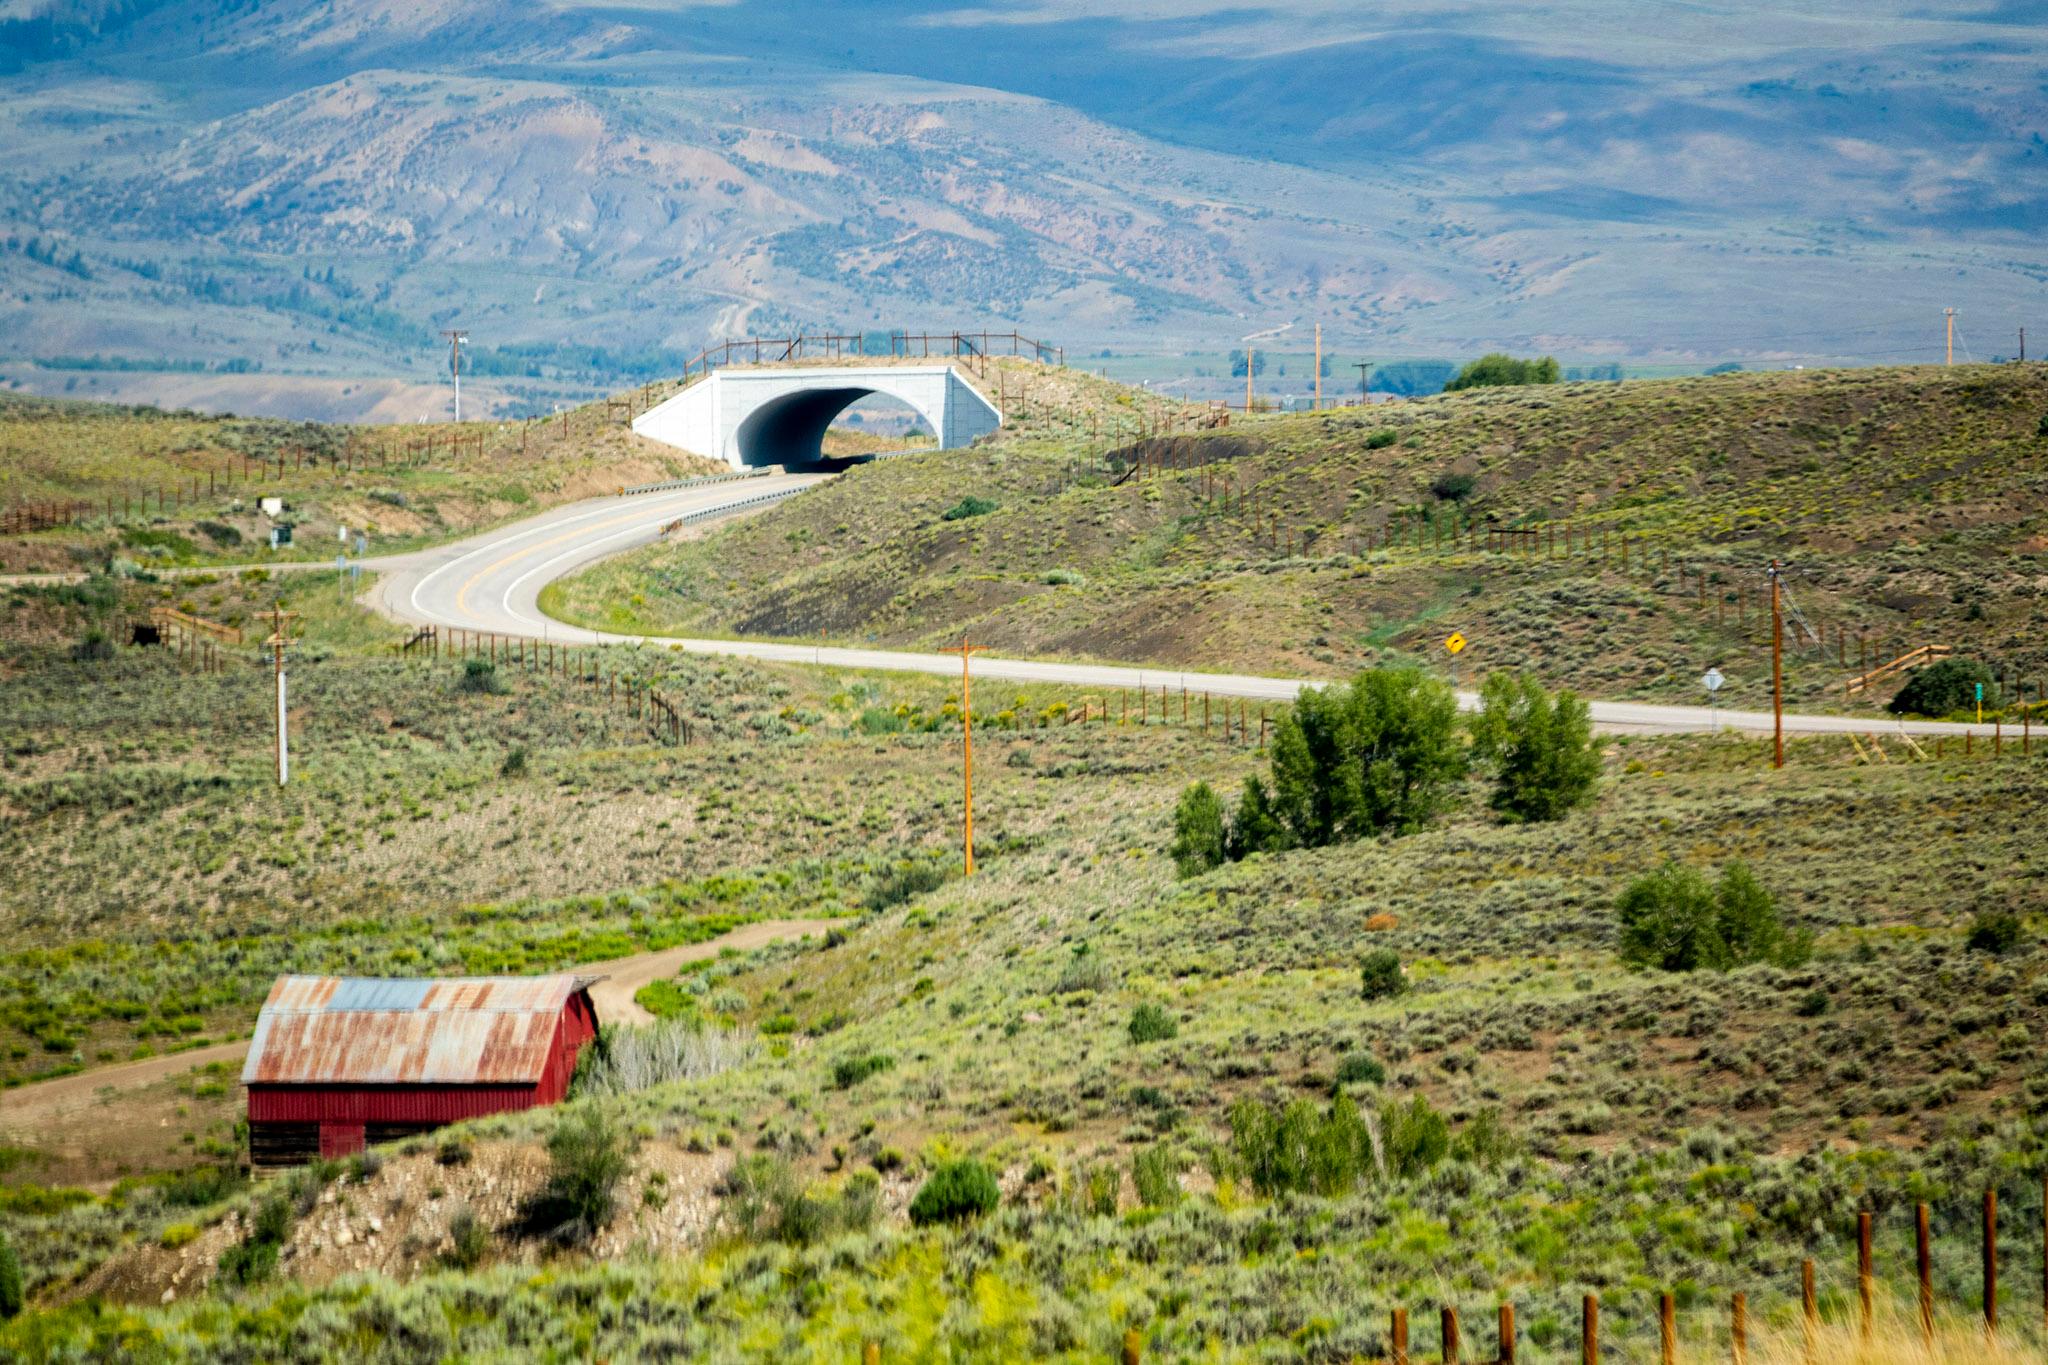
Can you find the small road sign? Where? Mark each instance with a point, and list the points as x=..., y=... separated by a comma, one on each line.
x=1713, y=680
x=1456, y=644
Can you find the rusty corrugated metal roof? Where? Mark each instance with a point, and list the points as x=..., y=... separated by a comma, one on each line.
x=491, y=1030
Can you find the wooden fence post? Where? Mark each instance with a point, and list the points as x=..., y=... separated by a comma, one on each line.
x=1134, y=1352
x=1589, y=1331
x=1667, y=1328
x=1738, y=1329
x=1926, y=1268
x=1451, y=1342
x=1990, y=1262
x=1505, y=1350
x=871, y=1354
x=1863, y=1275
x=1809, y=1310
x=1399, y=1334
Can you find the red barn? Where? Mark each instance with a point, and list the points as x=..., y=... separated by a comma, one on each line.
x=339, y=1062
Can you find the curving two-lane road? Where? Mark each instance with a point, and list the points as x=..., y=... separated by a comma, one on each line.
x=492, y=583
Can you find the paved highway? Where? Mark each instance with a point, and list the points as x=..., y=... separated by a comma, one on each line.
x=493, y=582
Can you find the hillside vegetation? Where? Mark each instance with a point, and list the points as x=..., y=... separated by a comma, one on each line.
x=1912, y=505
x=180, y=488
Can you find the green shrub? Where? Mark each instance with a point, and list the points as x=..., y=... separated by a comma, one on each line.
x=1540, y=747
x=93, y=647
x=515, y=762
x=957, y=1191
x=1497, y=370
x=197, y=1186
x=1155, y=1174
x=1198, y=831
x=479, y=676
x=1453, y=487
x=247, y=1263
x=969, y=506
x=1945, y=687
x=1673, y=919
x=468, y=1239
x=848, y=1072
x=1414, y=1136
x=11, y=1297
x=586, y=1161
x=1360, y=1068
x=1298, y=1148
x=1996, y=932
x=903, y=882
x=879, y=720
x=1152, y=1023
x=1380, y=976
x=1382, y=438
x=1484, y=1141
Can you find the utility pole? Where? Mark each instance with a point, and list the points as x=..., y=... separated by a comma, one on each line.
x=1777, y=673
x=457, y=339
x=1950, y=314
x=1248, y=349
x=2023, y=345
x=280, y=638
x=966, y=652
x=1365, y=381
x=1319, y=365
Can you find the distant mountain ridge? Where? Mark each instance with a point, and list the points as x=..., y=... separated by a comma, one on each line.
x=316, y=188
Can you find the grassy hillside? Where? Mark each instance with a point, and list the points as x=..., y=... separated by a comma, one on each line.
x=1913, y=505
x=169, y=488
x=1613, y=1131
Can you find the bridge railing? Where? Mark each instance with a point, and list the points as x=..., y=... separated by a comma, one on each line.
x=844, y=345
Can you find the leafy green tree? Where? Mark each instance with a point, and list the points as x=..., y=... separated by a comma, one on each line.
x=1258, y=827
x=1540, y=747
x=11, y=1297
x=1675, y=920
x=1499, y=370
x=1379, y=756
x=1198, y=831
x=1945, y=687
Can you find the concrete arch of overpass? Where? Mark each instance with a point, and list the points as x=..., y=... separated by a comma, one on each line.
x=754, y=418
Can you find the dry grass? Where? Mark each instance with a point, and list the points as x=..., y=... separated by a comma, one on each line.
x=1895, y=1338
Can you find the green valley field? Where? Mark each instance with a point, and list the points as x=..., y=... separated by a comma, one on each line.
x=1241, y=1111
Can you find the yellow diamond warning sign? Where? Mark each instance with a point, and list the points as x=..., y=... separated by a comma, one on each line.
x=1456, y=643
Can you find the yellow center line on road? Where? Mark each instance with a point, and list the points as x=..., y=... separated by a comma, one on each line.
x=462, y=593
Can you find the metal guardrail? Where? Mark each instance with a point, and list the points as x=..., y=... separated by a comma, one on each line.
x=713, y=513
x=696, y=482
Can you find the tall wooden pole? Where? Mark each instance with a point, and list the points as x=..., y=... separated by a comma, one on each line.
x=1319, y=367
x=1777, y=673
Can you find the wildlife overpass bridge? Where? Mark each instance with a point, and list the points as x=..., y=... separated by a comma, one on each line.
x=751, y=418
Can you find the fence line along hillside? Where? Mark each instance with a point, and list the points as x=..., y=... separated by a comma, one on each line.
x=1738, y=1337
